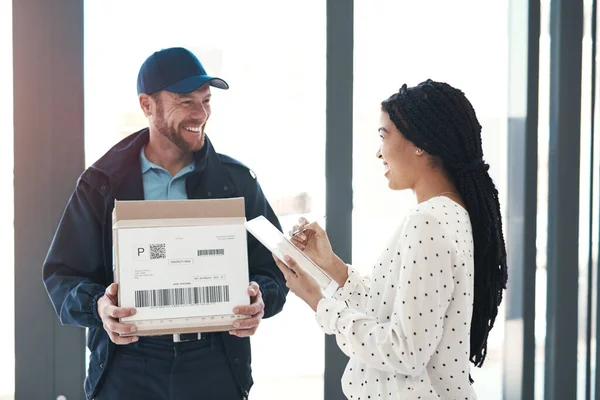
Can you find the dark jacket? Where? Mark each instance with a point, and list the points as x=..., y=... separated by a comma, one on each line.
x=78, y=267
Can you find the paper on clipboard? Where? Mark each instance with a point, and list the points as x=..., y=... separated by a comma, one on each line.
x=279, y=245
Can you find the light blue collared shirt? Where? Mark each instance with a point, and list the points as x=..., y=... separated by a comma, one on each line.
x=159, y=184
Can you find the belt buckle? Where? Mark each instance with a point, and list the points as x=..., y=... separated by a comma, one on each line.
x=177, y=337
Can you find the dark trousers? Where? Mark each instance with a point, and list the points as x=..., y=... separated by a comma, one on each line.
x=158, y=369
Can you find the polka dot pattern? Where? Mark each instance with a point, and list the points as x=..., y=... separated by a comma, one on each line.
x=406, y=327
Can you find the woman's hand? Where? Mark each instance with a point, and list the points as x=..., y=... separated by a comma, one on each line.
x=314, y=242
x=299, y=282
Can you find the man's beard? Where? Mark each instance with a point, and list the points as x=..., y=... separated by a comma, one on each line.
x=173, y=134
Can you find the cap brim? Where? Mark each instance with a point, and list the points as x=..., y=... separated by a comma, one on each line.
x=192, y=83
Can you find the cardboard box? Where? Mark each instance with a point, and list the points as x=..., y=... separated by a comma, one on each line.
x=182, y=264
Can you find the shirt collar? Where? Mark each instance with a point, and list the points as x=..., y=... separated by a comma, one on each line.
x=148, y=165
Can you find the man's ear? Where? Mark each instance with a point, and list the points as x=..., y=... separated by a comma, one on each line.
x=147, y=104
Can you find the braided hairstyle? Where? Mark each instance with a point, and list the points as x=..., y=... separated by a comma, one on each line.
x=439, y=119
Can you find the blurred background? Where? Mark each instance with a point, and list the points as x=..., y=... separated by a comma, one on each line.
x=68, y=81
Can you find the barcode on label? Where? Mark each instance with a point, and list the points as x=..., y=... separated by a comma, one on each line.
x=158, y=251
x=211, y=252
x=190, y=296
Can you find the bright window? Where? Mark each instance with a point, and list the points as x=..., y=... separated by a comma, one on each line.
x=275, y=67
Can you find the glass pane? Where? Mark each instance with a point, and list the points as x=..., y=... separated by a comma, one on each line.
x=409, y=42
x=542, y=203
x=272, y=54
x=595, y=238
x=585, y=201
x=7, y=317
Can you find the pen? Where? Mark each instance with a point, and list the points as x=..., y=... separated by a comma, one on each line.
x=299, y=231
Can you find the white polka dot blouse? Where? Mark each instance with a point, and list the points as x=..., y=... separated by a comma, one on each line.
x=406, y=327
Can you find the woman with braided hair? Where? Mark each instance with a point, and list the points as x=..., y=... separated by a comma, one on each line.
x=425, y=312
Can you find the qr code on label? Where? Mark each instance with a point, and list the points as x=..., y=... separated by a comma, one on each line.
x=158, y=251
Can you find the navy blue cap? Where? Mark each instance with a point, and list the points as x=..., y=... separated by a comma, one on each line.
x=175, y=70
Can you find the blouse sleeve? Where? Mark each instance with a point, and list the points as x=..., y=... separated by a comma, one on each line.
x=355, y=291
x=407, y=339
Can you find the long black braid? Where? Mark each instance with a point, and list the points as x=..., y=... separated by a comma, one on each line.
x=440, y=120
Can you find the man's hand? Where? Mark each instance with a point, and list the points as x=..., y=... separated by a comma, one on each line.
x=247, y=327
x=109, y=312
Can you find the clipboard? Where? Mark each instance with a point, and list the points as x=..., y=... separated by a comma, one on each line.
x=266, y=233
